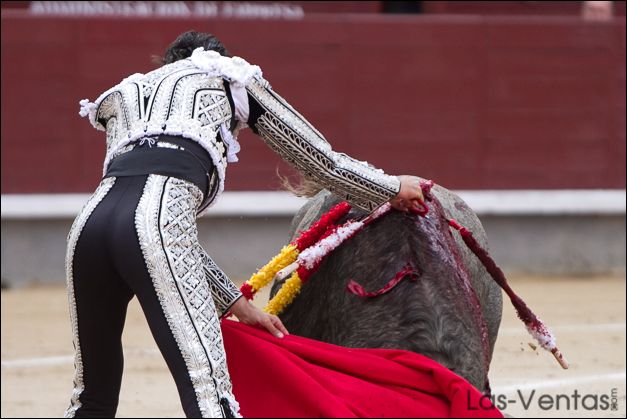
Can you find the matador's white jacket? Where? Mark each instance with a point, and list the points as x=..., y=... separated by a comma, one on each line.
x=188, y=98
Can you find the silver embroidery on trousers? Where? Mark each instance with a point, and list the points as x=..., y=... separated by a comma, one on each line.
x=166, y=227
x=72, y=239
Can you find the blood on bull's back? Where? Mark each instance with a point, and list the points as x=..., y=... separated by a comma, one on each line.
x=451, y=313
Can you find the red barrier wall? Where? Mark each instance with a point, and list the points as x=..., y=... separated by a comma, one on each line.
x=472, y=102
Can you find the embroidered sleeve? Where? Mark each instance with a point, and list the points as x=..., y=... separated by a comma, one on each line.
x=223, y=290
x=301, y=145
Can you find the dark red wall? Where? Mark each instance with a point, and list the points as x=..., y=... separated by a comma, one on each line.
x=471, y=102
x=502, y=7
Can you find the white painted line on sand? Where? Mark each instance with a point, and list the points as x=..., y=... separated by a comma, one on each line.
x=48, y=361
x=45, y=361
x=561, y=382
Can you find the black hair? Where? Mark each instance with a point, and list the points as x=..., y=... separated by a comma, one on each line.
x=187, y=42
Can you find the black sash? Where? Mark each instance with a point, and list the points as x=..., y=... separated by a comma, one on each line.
x=192, y=164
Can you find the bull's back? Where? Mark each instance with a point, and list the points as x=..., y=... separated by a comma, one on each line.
x=430, y=316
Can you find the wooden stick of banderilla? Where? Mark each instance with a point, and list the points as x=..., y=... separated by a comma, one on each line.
x=286, y=272
x=560, y=358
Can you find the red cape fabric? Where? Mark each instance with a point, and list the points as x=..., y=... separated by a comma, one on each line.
x=300, y=377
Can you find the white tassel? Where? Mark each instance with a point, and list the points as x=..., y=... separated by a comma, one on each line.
x=543, y=336
x=232, y=145
x=87, y=108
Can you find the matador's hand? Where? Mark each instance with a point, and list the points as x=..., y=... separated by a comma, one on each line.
x=251, y=315
x=410, y=195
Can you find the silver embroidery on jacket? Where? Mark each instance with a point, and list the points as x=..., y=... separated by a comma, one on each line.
x=300, y=144
x=72, y=239
x=166, y=228
x=223, y=290
x=182, y=101
x=186, y=98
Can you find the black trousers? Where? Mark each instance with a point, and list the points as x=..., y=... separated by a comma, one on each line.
x=137, y=237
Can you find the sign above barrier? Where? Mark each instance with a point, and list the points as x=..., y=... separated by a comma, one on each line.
x=169, y=9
